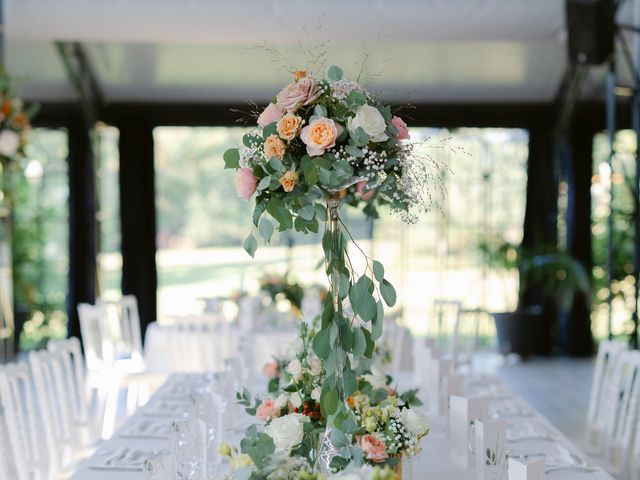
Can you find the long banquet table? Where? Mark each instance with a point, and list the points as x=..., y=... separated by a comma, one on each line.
x=434, y=462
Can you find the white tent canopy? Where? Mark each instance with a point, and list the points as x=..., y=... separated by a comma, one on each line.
x=436, y=51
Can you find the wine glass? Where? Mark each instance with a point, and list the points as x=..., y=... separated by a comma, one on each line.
x=204, y=407
x=154, y=468
x=186, y=446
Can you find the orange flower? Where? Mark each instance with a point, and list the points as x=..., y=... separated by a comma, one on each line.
x=274, y=147
x=298, y=74
x=289, y=180
x=21, y=120
x=288, y=126
x=350, y=401
x=6, y=108
x=320, y=135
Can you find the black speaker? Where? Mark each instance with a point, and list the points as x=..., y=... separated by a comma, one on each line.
x=590, y=24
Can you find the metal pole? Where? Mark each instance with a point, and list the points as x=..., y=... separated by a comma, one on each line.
x=611, y=128
x=635, y=122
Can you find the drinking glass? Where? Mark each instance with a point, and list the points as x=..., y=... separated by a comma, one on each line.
x=187, y=449
x=154, y=468
x=204, y=407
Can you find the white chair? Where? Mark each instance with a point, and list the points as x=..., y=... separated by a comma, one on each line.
x=446, y=314
x=602, y=393
x=123, y=332
x=98, y=345
x=623, y=412
x=464, y=340
x=29, y=448
x=69, y=355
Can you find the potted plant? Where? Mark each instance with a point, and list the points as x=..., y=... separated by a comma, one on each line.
x=550, y=281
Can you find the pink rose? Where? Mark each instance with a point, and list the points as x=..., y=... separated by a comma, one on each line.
x=271, y=370
x=374, y=449
x=320, y=135
x=267, y=410
x=367, y=195
x=245, y=183
x=269, y=115
x=403, y=131
x=298, y=93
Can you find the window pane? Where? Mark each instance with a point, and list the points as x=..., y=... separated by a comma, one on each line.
x=41, y=239
x=202, y=223
x=108, y=184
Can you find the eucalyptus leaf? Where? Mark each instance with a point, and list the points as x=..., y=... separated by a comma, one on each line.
x=330, y=402
x=378, y=271
x=334, y=73
x=376, y=325
x=231, y=158
x=250, y=244
x=265, y=227
x=307, y=212
x=388, y=293
x=321, y=343
x=264, y=183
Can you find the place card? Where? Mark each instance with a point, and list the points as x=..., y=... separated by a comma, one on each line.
x=455, y=386
x=463, y=411
x=490, y=448
x=423, y=351
x=519, y=470
x=436, y=382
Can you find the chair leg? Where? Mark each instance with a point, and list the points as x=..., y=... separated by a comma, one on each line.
x=110, y=410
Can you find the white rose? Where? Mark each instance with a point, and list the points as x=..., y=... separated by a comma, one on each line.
x=295, y=400
x=315, y=394
x=371, y=121
x=377, y=377
x=287, y=431
x=315, y=366
x=9, y=143
x=414, y=421
x=282, y=401
x=295, y=369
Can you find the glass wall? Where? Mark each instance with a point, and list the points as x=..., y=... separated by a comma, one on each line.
x=621, y=181
x=41, y=238
x=109, y=259
x=202, y=222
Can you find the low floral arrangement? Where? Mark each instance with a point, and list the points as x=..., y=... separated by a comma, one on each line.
x=15, y=120
x=386, y=424
x=280, y=286
x=321, y=142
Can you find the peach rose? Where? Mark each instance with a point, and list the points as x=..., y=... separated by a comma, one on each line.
x=274, y=147
x=271, y=370
x=289, y=180
x=246, y=183
x=366, y=195
x=269, y=115
x=268, y=410
x=298, y=93
x=288, y=126
x=320, y=135
x=403, y=131
x=374, y=449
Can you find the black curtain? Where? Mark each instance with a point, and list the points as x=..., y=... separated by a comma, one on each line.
x=82, y=221
x=137, y=216
x=578, y=174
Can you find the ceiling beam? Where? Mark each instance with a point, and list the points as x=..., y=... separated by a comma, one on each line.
x=82, y=78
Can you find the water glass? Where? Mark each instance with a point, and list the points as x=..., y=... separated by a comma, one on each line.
x=187, y=447
x=204, y=407
x=154, y=468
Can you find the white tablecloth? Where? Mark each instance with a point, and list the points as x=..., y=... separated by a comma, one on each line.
x=225, y=342
x=433, y=463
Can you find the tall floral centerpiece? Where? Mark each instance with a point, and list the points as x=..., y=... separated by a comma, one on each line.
x=319, y=143
x=14, y=129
